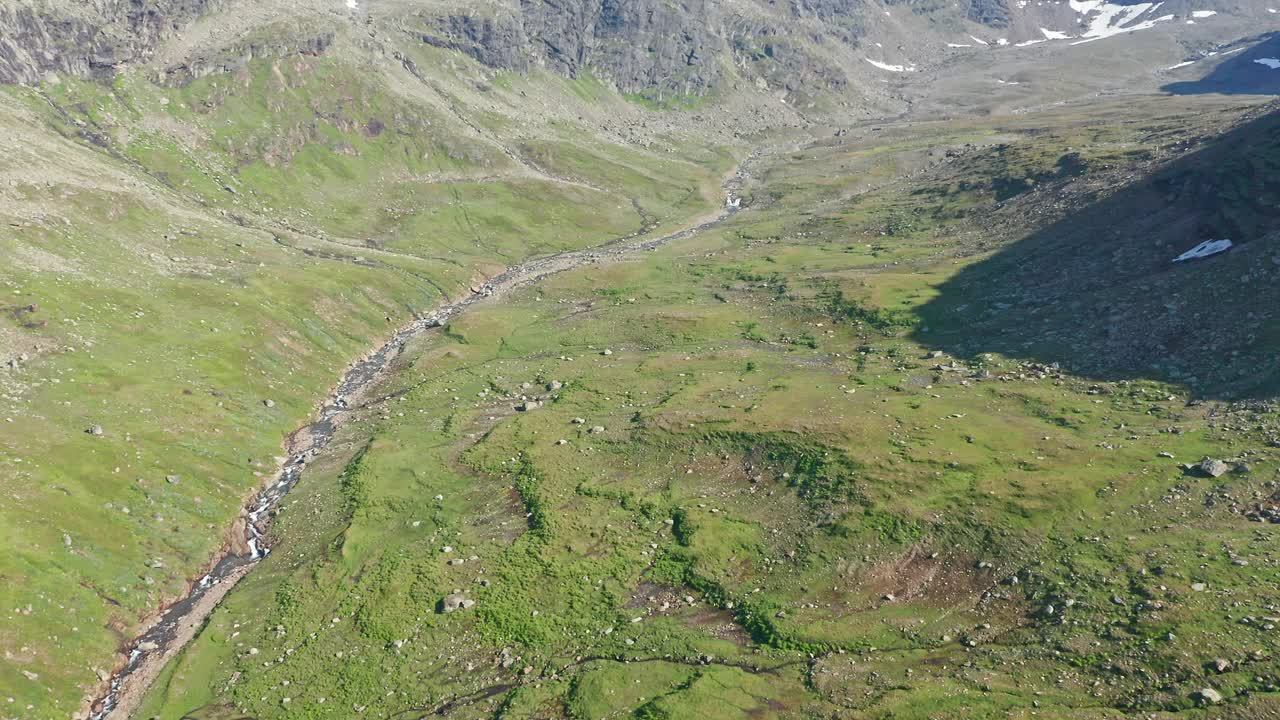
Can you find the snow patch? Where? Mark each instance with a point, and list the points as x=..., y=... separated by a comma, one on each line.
x=1108, y=19
x=353, y=5
x=1273, y=63
x=957, y=45
x=1203, y=13
x=1026, y=43
x=1182, y=64
x=891, y=68
x=1054, y=34
x=1002, y=41
x=980, y=41
x=1204, y=250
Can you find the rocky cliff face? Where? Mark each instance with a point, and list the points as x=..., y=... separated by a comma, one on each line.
x=644, y=45
x=87, y=38
x=638, y=44
x=655, y=47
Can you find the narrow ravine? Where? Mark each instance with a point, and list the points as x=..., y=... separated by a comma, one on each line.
x=180, y=622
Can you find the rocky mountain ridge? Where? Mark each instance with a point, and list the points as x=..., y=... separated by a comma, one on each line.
x=657, y=49
x=86, y=39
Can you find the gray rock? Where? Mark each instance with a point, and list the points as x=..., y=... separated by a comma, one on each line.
x=454, y=602
x=1209, y=696
x=1214, y=468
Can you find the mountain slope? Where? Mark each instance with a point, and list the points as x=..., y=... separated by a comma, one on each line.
x=209, y=209
x=734, y=477
x=188, y=269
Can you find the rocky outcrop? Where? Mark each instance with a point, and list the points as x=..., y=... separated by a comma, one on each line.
x=645, y=45
x=236, y=58
x=87, y=38
x=993, y=13
x=637, y=44
x=495, y=41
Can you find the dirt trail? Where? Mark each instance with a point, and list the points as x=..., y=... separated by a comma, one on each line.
x=178, y=623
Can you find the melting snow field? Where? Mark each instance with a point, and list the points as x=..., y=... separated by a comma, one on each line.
x=1273, y=63
x=1110, y=19
x=891, y=68
x=1104, y=19
x=1204, y=250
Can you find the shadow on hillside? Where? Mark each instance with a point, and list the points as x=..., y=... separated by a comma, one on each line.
x=1097, y=292
x=1239, y=74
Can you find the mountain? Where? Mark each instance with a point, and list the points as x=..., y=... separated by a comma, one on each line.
x=443, y=304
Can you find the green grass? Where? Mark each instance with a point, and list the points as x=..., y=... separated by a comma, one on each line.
x=793, y=510
x=195, y=252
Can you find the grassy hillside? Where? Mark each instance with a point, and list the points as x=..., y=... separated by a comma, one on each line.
x=186, y=271
x=755, y=486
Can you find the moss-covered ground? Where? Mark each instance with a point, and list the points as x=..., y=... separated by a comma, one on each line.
x=189, y=269
x=758, y=479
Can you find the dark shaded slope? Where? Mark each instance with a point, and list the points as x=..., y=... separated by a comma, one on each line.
x=1097, y=292
x=1241, y=74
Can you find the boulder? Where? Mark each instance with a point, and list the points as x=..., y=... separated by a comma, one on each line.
x=455, y=602
x=1209, y=696
x=1214, y=468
